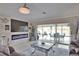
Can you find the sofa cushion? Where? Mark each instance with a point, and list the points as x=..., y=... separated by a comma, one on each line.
x=4, y=49
x=2, y=54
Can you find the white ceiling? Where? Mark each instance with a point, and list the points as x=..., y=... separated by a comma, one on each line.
x=53, y=10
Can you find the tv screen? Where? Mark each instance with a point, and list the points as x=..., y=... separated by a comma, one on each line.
x=19, y=26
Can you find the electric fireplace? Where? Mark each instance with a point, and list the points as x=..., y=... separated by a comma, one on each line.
x=19, y=36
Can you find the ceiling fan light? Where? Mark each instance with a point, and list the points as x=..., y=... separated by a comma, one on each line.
x=24, y=10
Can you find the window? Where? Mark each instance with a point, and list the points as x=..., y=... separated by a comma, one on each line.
x=46, y=32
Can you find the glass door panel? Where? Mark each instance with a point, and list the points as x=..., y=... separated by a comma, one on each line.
x=53, y=31
x=66, y=31
x=46, y=32
x=39, y=33
x=59, y=29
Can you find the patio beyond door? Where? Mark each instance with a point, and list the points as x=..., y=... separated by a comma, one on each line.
x=48, y=31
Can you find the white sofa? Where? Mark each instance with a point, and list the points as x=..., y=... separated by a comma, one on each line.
x=8, y=51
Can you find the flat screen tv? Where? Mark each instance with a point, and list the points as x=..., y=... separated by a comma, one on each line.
x=19, y=26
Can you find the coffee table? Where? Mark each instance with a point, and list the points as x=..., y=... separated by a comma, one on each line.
x=43, y=47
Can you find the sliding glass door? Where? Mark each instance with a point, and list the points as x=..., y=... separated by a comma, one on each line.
x=48, y=31
x=64, y=32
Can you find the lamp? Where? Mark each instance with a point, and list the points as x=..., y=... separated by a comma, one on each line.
x=24, y=9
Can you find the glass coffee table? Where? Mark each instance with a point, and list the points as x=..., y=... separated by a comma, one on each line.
x=43, y=47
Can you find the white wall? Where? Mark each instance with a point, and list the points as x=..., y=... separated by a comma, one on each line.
x=4, y=21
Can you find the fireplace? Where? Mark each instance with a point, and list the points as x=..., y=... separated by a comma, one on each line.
x=19, y=36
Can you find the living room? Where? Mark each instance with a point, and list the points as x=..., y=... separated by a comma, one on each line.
x=41, y=29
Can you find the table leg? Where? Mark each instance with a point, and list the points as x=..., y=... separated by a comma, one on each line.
x=33, y=52
x=53, y=50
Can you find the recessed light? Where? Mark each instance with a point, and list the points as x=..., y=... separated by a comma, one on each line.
x=44, y=12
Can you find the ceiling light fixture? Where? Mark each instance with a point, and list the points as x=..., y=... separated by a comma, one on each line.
x=24, y=9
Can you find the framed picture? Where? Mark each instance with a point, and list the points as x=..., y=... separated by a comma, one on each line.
x=6, y=27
